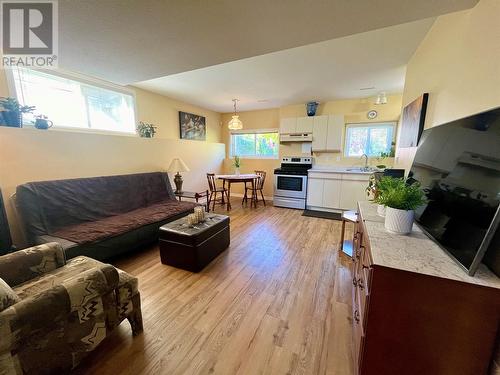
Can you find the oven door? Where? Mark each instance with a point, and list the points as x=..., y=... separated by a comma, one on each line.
x=290, y=186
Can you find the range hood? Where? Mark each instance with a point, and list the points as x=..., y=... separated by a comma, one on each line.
x=296, y=137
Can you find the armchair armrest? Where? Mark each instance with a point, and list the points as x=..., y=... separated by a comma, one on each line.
x=45, y=311
x=24, y=265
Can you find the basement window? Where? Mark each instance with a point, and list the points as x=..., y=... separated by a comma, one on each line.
x=371, y=139
x=74, y=102
x=258, y=143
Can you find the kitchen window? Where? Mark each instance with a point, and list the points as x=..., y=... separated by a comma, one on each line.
x=259, y=143
x=75, y=103
x=371, y=139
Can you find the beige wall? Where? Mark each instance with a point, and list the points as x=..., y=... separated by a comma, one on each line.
x=31, y=155
x=354, y=111
x=457, y=63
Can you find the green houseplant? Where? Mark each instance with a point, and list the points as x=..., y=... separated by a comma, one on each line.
x=12, y=112
x=236, y=164
x=146, y=130
x=401, y=200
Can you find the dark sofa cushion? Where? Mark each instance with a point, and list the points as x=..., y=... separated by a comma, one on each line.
x=116, y=225
x=48, y=206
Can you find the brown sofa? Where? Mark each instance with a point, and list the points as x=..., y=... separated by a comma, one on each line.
x=99, y=217
x=53, y=313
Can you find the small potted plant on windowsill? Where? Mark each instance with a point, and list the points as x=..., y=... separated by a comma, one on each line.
x=12, y=112
x=401, y=200
x=146, y=130
x=236, y=164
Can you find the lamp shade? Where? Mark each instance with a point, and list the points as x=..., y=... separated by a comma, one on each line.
x=235, y=123
x=177, y=165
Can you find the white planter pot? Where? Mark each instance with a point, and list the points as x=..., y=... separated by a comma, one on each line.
x=237, y=171
x=398, y=221
x=380, y=210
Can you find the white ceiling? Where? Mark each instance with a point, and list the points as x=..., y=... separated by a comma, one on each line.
x=335, y=69
x=127, y=41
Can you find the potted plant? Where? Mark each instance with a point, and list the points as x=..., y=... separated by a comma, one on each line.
x=12, y=112
x=379, y=188
x=401, y=199
x=236, y=164
x=146, y=130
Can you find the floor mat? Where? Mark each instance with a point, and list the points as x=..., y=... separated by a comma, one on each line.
x=323, y=214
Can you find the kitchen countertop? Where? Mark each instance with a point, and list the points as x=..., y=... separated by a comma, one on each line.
x=416, y=252
x=327, y=169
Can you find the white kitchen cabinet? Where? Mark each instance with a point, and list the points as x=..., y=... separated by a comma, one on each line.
x=320, y=133
x=352, y=191
x=315, y=188
x=327, y=133
x=331, y=193
x=335, y=130
x=288, y=125
x=304, y=124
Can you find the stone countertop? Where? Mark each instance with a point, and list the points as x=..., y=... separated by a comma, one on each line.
x=416, y=252
x=344, y=170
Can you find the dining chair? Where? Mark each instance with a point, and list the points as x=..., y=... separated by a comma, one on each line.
x=258, y=187
x=212, y=186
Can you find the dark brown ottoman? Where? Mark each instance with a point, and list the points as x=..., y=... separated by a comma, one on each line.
x=192, y=248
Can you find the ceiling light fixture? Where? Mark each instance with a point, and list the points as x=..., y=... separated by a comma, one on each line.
x=381, y=98
x=235, y=123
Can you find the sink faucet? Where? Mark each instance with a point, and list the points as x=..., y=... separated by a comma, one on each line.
x=366, y=161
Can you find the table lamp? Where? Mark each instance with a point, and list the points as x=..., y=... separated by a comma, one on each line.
x=177, y=166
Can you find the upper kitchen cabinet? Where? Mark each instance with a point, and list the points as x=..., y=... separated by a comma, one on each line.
x=305, y=124
x=288, y=125
x=327, y=133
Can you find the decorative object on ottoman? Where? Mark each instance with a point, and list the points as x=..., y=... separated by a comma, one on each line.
x=63, y=311
x=192, y=247
x=177, y=166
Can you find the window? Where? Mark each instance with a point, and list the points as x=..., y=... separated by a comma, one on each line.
x=255, y=144
x=371, y=139
x=72, y=103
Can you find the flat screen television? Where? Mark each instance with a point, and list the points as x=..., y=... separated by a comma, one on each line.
x=458, y=166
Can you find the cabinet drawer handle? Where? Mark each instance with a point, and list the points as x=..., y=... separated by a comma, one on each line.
x=354, y=281
x=360, y=284
x=365, y=267
x=356, y=315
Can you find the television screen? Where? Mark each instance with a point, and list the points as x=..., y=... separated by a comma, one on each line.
x=458, y=166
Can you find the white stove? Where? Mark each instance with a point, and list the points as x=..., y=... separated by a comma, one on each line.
x=290, y=182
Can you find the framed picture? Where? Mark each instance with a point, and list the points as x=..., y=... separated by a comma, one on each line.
x=412, y=124
x=192, y=126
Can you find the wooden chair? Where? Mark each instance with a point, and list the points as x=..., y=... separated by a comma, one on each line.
x=259, y=186
x=212, y=186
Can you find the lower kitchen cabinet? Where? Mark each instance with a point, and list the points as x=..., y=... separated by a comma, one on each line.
x=335, y=191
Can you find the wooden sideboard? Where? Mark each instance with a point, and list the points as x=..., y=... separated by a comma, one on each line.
x=415, y=311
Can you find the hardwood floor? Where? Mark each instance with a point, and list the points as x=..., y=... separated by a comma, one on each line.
x=276, y=302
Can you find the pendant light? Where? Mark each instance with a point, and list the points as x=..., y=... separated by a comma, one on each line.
x=235, y=123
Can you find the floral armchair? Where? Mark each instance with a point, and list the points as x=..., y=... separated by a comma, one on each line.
x=53, y=312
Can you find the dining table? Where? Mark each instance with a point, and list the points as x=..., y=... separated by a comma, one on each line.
x=238, y=178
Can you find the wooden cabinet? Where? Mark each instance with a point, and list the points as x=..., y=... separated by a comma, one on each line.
x=327, y=133
x=331, y=193
x=335, y=191
x=320, y=133
x=407, y=322
x=304, y=125
x=288, y=125
x=315, y=188
x=334, y=140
